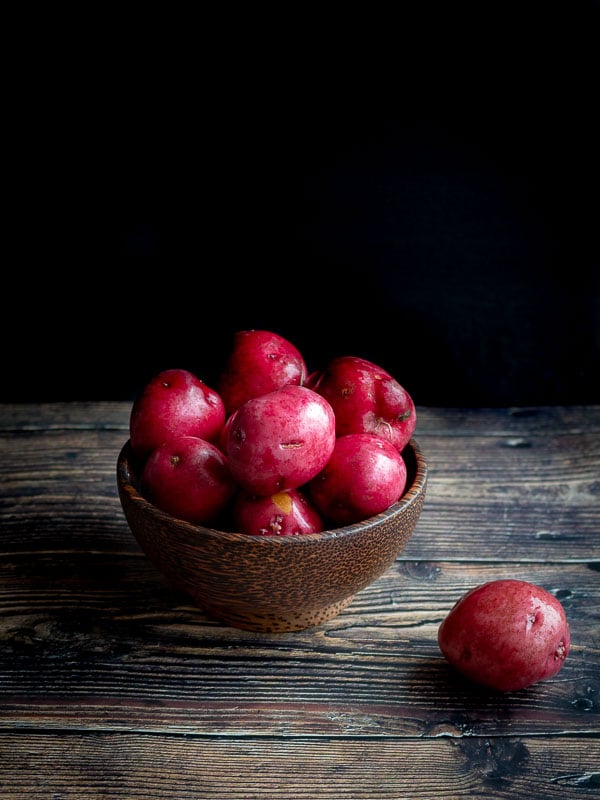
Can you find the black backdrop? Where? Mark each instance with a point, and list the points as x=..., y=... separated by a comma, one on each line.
x=445, y=227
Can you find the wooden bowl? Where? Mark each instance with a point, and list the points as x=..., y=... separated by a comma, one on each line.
x=272, y=583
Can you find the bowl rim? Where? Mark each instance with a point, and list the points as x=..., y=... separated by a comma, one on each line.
x=126, y=482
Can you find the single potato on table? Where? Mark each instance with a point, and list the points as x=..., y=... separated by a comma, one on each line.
x=506, y=634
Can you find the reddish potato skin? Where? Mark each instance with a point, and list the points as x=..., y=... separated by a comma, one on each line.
x=175, y=402
x=189, y=478
x=280, y=440
x=224, y=434
x=259, y=362
x=366, y=399
x=506, y=635
x=288, y=513
x=363, y=477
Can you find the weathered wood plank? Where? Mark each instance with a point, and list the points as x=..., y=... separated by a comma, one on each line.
x=40, y=766
x=65, y=416
x=494, y=422
x=97, y=642
x=430, y=420
x=487, y=497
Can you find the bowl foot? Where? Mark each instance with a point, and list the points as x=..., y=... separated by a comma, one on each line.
x=274, y=621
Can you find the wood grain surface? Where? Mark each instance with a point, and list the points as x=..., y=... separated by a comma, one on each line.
x=114, y=685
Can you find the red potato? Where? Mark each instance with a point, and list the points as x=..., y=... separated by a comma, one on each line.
x=363, y=477
x=280, y=440
x=189, y=478
x=506, y=635
x=224, y=434
x=286, y=513
x=175, y=402
x=366, y=399
x=259, y=362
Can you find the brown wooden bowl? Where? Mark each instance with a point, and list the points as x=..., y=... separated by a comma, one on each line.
x=272, y=583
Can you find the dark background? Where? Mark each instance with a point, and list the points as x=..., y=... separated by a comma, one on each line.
x=434, y=210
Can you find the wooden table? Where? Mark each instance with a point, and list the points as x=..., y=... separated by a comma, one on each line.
x=113, y=685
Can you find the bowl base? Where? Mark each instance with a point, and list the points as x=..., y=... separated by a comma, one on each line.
x=274, y=621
